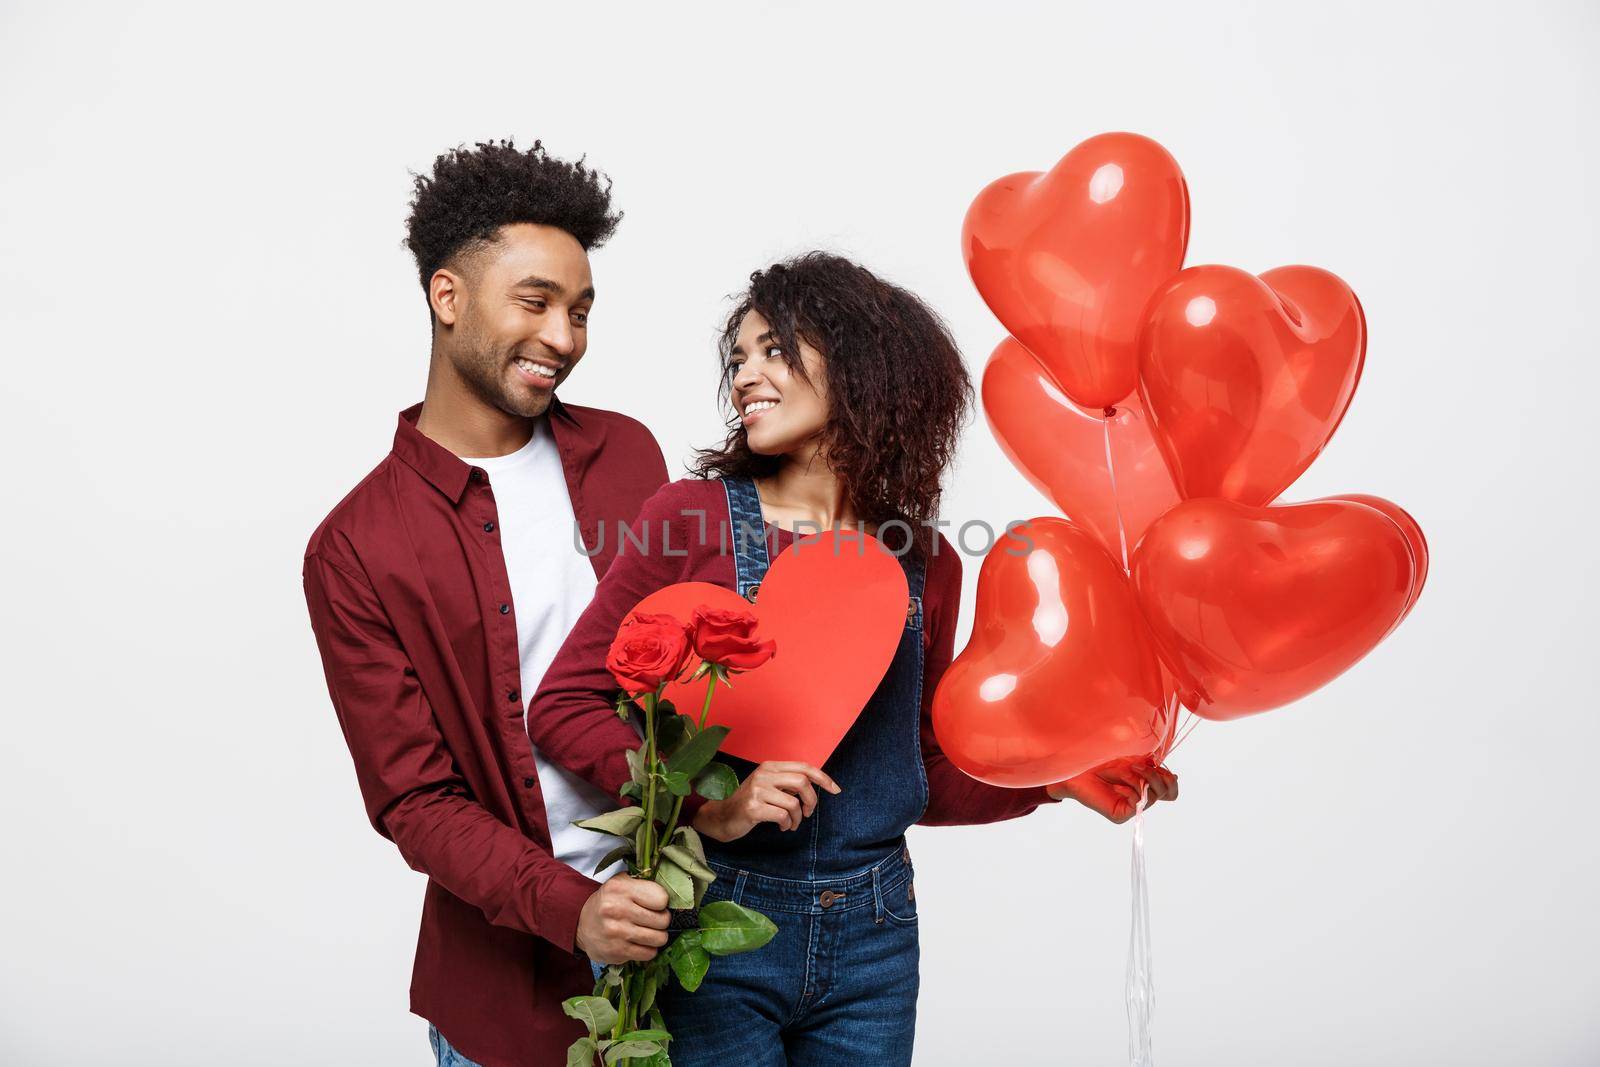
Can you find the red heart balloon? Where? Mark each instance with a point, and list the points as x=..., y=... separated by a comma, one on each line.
x=1245, y=378
x=1256, y=607
x=1062, y=450
x=1067, y=259
x=1414, y=537
x=1060, y=675
x=836, y=606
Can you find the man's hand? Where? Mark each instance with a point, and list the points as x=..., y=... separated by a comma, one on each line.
x=782, y=793
x=1113, y=789
x=625, y=919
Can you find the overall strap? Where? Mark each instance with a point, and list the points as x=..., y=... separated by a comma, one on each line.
x=916, y=577
x=749, y=532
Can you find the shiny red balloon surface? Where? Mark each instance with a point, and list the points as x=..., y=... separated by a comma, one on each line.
x=1255, y=607
x=1060, y=675
x=1245, y=379
x=1062, y=449
x=1067, y=258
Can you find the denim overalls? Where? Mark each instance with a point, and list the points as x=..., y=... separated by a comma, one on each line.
x=838, y=984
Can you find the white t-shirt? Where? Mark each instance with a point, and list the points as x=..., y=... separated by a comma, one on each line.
x=551, y=583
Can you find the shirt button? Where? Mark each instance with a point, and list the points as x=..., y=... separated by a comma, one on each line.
x=527, y=783
x=512, y=696
x=488, y=527
x=476, y=475
x=505, y=609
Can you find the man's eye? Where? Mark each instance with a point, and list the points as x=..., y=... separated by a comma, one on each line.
x=535, y=305
x=580, y=317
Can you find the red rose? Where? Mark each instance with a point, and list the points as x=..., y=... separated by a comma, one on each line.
x=728, y=637
x=649, y=650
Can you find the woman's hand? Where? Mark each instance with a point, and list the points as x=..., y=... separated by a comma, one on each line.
x=782, y=793
x=1113, y=789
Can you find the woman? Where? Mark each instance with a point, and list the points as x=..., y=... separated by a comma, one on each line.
x=848, y=396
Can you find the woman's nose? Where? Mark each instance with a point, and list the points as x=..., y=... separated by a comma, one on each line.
x=745, y=378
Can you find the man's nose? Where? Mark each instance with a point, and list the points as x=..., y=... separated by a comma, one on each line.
x=557, y=335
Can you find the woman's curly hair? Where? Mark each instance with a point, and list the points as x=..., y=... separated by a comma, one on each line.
x=472, y=192
x=898, y=390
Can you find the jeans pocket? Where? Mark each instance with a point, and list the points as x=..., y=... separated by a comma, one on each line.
x=900, y=903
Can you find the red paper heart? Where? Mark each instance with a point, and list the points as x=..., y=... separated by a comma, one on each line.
x=1256, y=607
x=1245, y=378
x=1060, y=675
x=836, y=606
x=1068, y=258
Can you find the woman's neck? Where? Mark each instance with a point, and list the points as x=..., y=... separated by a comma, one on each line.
x=804, y=490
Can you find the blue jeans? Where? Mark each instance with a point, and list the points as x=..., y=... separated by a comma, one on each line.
x=837, y=985
x=444, y=1053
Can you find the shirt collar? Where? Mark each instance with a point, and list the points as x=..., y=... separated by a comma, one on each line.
x=442, y=468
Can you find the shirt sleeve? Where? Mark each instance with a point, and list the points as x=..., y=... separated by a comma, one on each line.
x=412, y=792
x=575, y=702
x=954, y=799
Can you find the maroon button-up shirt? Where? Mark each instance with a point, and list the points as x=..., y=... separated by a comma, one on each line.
x=405, y=581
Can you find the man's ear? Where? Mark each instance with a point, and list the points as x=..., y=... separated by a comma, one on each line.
x=445, y=293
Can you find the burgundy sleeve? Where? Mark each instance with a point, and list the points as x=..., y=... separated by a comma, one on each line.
x=953, y=798
x=575, y=704
x=408, y=781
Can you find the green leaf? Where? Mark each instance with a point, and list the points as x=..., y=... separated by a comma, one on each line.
x=619, y=823
x=596, y=1013
x=649, y=982
x=635, y=764
x=666, y=706
x=686, y=859
x=689, y=961
x=622, y=851
x=670, y=733
x=678, y=883
x=645, y=1035
x=677, y=783
x=581, y=1053
x=697, y=752
x=632, y=789
x=627, y=1050
x=727, y=928
x=689, y=839
x=717, y=781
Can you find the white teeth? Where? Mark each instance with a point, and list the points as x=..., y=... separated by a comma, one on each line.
x=536, y=368
x=760, y=405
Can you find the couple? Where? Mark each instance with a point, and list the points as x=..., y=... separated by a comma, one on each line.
x=463, y=627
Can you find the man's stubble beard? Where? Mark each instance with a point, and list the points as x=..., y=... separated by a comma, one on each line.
x=483, y=367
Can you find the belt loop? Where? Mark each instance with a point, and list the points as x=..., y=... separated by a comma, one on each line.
x=877, y=896
x=738, y=887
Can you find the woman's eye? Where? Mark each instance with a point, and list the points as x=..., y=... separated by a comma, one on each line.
x=774, y=352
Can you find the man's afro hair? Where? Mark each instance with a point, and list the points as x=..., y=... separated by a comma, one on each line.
x=472, y=192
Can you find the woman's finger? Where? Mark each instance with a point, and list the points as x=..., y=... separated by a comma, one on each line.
x=782, y=817
x=787, y=801
x=800, y=786
x=819, y=777
x=1152, y=778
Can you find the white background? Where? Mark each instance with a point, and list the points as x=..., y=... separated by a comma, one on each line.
x=209, y=324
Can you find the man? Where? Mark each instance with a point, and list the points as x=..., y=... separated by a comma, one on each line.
x=442, y=585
